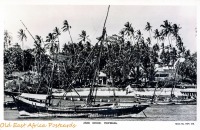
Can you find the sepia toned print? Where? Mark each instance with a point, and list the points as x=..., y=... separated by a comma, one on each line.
x=83, y=62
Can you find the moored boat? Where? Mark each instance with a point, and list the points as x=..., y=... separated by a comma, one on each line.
x=35, y=104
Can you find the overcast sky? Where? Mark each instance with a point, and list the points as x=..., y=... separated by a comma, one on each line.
x=42, y=19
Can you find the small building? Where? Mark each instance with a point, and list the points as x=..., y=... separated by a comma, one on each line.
x=165, y=73
x=102, y=79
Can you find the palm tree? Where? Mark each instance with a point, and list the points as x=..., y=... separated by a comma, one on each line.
x=138, y=50
x=7, y=39
x=154, y=52
x=139, y=35
x=38, y=39
x=148, y=41
x=51, y=45
x=156, y=35
x=167, y=29
x=56, y=33
x=162, y=54
x=173, y=55
x=128, y=30
x=139, y=39
x=39, y=51
x=22, y=37
x=84, y=37
x=179, y=44
x=156, y=47
x=175, y=30
x=88, y=47
x=148, y=27
x=66, y=27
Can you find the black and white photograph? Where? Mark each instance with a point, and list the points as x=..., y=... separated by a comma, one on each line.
x=99, y=62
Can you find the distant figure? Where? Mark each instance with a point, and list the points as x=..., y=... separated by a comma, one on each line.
x=129, y=89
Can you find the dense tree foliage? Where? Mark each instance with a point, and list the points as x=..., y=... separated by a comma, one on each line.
x=127, y=57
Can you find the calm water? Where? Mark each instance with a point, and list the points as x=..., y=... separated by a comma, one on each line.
x=154, y=113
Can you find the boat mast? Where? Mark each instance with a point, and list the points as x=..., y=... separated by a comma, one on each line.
x=27, y=30
x=101, y=39
x=36, y=45
x=86, y=61
x=154, y=94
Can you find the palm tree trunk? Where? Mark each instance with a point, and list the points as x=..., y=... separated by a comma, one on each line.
x=70, y=36
x=72, y=41
x=58, y=65
x=22, y=56
x=133, y=39
x=35, y=63
x=171, y=40
x=58, y=46
x=177, y=46
x=168, y=39
x=157, y=40
x=51, y=78
x=39, y=72
x=150, y=34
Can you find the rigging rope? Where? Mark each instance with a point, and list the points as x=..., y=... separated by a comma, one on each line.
x=86, y=61
x=98, y=62
x=28, y=31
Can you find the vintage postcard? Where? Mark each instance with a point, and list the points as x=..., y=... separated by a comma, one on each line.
x=86, y=64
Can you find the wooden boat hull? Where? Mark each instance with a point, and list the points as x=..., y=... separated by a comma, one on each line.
x=10, y=104
x=186, y=102
x=11, y=93
x=24, y=114
x=178, y=102
x=165, y=103
x=111, y=110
